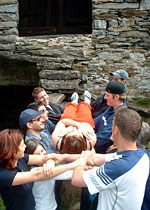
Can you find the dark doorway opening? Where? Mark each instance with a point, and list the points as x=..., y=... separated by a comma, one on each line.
x=13, y=100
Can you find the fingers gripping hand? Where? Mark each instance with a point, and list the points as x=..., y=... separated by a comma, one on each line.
x=48, y=167
x=87, y=156
x=87, y=130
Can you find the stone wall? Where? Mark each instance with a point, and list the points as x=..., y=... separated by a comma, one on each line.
x=120, y=39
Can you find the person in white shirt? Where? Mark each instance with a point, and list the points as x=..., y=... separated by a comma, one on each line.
x=121, y=177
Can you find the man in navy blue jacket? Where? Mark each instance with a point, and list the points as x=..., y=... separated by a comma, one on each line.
x=100, y=104
x=115, y=96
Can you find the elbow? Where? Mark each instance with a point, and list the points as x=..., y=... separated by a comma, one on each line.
x=75, y=183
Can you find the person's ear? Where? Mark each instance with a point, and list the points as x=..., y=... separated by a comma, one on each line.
x=29, y=125
x=117, y=97
x=116, y=130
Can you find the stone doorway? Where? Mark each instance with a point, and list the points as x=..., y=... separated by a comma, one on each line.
x=13, y=100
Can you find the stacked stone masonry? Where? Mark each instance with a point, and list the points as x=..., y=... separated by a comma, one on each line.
x=120, y=39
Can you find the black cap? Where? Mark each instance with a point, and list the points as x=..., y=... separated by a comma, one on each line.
x=115, y=87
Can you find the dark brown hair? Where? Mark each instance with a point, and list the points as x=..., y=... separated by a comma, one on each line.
x=128, y=122
x=10, y=140
x=74, y=145
x=31, y=145
x=35, y=105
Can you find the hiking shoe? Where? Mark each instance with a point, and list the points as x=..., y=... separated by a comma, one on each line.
x=74, y=96
x=87, y=94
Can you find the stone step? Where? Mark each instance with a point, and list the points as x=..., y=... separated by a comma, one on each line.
x=59, y=74
x=57, y=98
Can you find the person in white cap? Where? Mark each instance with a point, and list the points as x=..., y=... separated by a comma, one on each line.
x=120, y=75
x=100, y=105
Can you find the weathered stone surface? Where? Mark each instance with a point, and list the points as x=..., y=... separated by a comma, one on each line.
x=2, y=2
x=136, y=34
x=99, y=24
x=7, y=39
x=7, y=47
x=120, y=29
x=117, y=6
x=102, y=1
x=59, y=84
x=96, y=12
x=131, y=13
x=59, y=75
x=72, y=62
x=8, y=24
x=145, y=5
x=56, y=98
x=9, y=8
x=8, y=17
x=58, y=53
x=79, y=67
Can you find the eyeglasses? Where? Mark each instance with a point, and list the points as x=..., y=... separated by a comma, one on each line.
x=38, y=119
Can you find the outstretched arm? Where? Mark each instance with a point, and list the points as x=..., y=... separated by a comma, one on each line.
x=39, y=173
x=97, y=159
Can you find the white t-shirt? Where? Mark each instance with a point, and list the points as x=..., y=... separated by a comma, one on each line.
x=43, y=192
x=120, y=181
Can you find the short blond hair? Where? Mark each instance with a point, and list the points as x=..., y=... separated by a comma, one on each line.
x=122, y=96
x=36, y=91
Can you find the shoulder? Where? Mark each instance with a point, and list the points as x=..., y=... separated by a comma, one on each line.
x=123, y=162
x=7, y=176
x=25, y=158
x=49, y=126
x=147, y=151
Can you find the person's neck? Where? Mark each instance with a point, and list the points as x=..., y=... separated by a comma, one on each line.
x=117, y=104
x=37, y=133
x=15, y=163
x=126, y=145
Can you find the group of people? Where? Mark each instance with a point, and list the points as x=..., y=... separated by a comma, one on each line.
x=56, y=143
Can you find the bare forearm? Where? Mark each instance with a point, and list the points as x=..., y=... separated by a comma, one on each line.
x=66, y=158
x=61, y=168
x=38, y=159
x=77, y=178
x=98, y=159
x=28, y=176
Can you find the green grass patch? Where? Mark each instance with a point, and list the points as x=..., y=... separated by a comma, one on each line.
x=148, y=145
x=144, y=102
x=2, y=207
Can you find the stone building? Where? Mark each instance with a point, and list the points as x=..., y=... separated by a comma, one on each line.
x=65, y=62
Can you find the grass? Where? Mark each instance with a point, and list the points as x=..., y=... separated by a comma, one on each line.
x=70, y=196
x=143, y=102
x=2, y=207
